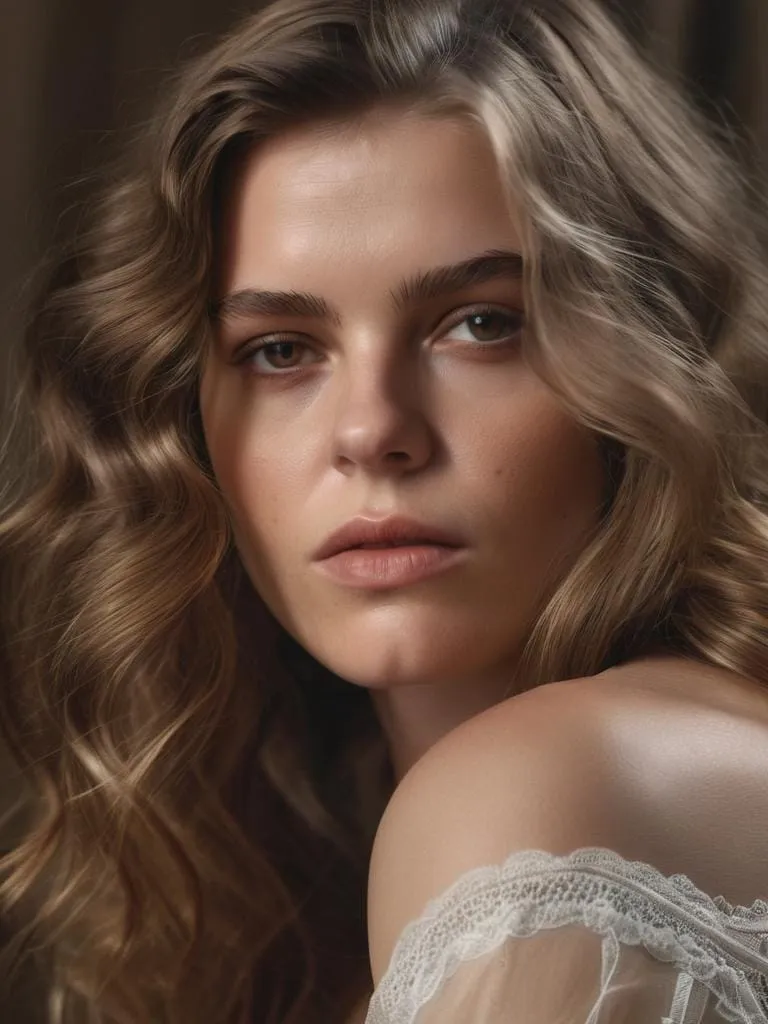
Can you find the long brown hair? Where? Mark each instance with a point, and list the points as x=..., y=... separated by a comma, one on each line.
x=202, y=794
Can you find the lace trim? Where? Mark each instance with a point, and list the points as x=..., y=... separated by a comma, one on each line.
x=534, y=890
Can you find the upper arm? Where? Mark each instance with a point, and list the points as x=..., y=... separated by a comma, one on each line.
x=529, y=775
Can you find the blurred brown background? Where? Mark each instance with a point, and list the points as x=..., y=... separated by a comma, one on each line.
x=76, y=75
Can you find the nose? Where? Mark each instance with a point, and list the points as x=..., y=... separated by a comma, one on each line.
x=380, y=424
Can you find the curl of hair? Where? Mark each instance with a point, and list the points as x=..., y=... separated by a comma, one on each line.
x=202, y=795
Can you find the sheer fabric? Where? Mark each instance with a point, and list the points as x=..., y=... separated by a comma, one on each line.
x=587, y=938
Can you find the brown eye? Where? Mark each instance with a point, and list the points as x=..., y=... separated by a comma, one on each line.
x=282, y=355
x=269, y=358
x=489, y=326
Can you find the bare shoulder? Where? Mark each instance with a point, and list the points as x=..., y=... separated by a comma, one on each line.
x=611, y=760
x=527, y=774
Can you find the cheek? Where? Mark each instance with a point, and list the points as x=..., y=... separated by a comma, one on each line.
x=550, y=470
x=262, y=476
x=230, y=430
x=255, y=488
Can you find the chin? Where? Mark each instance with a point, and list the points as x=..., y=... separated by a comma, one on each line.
x=382, y=666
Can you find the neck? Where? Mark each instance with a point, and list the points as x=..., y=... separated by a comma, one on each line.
x=415, y=717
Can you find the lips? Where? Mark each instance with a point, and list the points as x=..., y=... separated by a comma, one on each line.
x=395, y=531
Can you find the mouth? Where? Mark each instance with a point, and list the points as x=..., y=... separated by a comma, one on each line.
x=383, y=554
x=386, y=567
x=391, y=545
x=393, y=533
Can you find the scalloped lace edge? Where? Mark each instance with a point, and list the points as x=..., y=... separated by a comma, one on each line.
x=729, y=984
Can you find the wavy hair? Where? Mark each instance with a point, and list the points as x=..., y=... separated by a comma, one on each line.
x=202, y=795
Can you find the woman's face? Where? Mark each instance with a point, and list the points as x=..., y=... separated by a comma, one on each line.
x=397, y=389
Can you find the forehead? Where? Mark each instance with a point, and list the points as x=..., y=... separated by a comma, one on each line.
x=388, y=185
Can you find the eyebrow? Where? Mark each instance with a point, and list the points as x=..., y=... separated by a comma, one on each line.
x=420, y=287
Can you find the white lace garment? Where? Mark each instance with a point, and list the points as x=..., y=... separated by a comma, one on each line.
x=587, y=938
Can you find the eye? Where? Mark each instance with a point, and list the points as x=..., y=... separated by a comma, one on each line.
x=273, y=355
x=492, y=326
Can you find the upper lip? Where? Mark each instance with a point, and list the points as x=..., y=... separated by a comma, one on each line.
x=376, y=531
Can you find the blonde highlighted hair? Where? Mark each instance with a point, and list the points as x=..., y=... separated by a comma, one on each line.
x=202, y=794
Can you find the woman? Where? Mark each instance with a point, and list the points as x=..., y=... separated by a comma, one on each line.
x=400, y=443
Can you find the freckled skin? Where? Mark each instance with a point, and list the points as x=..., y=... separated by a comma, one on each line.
x=391, y=412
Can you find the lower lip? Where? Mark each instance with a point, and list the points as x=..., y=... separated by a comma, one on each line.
x=382, y=568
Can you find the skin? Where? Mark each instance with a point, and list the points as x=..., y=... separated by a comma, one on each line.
x=391, y=411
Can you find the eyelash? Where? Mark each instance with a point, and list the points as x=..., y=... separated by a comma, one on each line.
x=285, y=338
